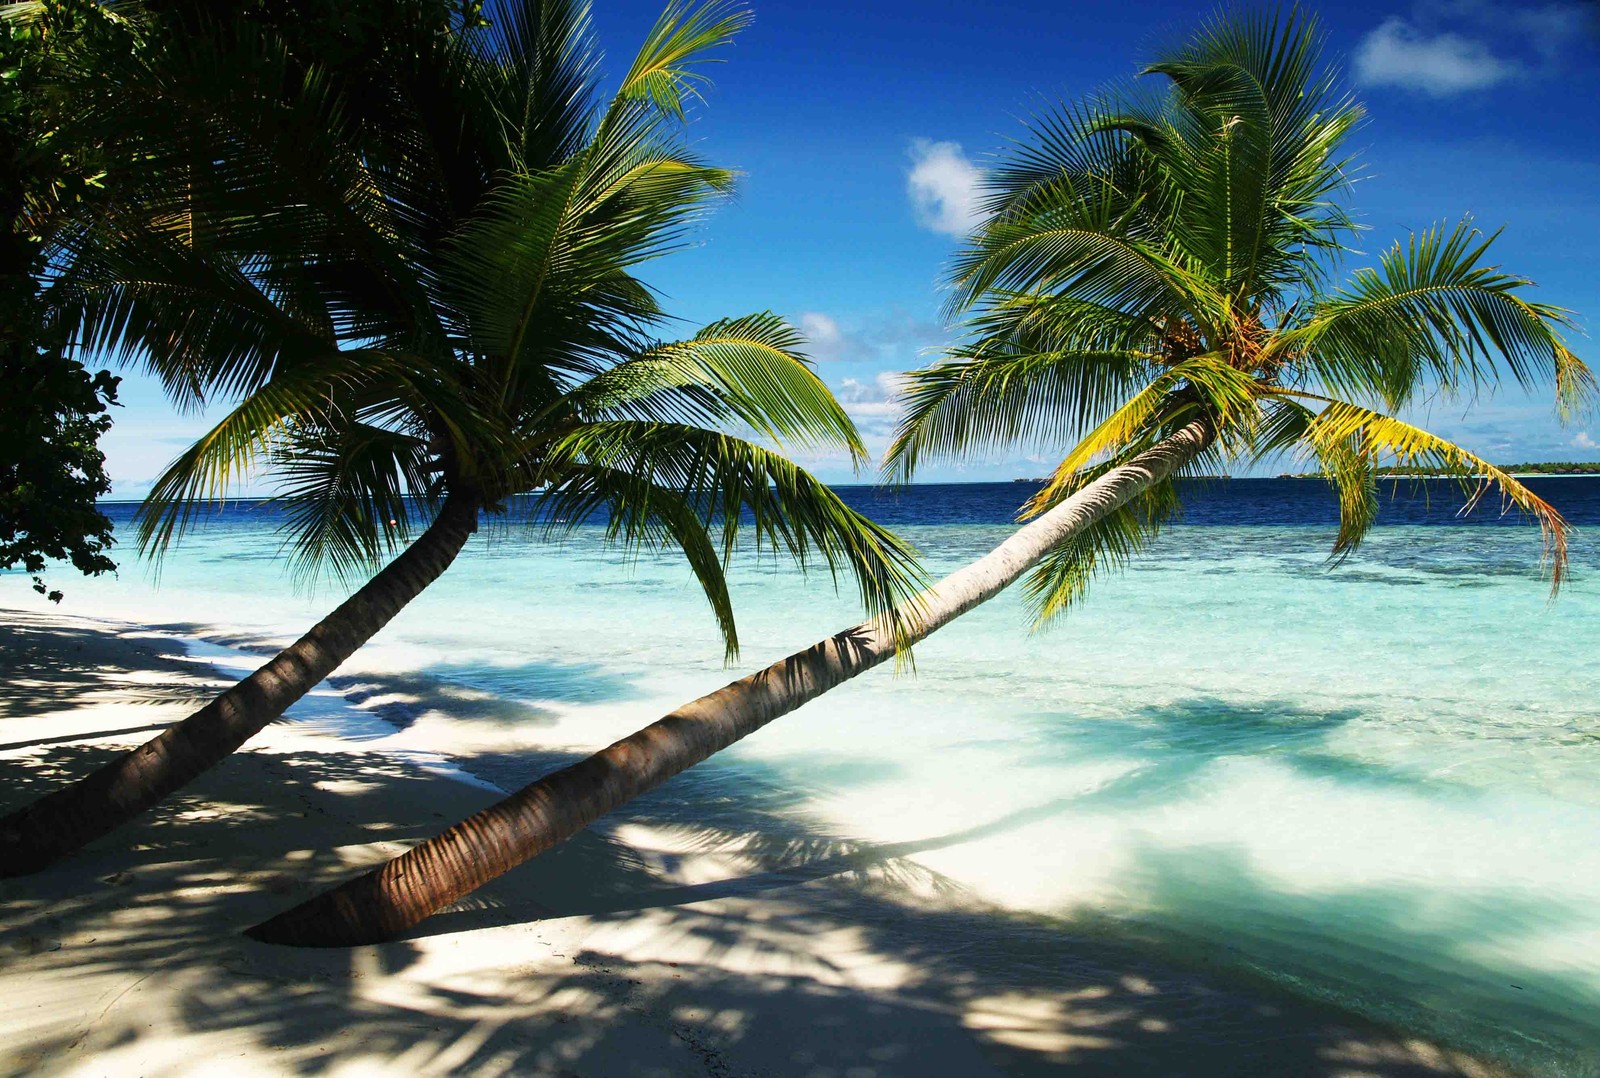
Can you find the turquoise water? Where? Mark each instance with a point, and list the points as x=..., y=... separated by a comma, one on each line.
x=1378, y=785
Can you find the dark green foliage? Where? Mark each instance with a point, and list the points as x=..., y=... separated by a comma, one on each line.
x=52, y=410
x=400, y=240
x=52, y=414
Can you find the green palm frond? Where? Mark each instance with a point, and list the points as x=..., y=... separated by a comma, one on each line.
x=664, y=71
x=1353, y=474
x=341, y=392
x=351, y=494
x=1285, y=429
x=1107, y=545
x=737, y=484
x=1203, y=386
x=1081, y=247
x=756, y=369
x=199, y=323
x=1250, y=139
x=1002, y=398
x=642, y=514
x=547, y=68
x=544, y=260
x=205, y=473
x=1041, y=368
x=748, y=370
x=1434, y=311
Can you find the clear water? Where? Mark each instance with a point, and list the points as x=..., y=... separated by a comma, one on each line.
x=1378, y=785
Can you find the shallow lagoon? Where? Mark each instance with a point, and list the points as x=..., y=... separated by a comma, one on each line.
x=1376, y=785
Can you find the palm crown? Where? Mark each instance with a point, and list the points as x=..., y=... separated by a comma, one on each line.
x=416, y=279
x=1152, y=259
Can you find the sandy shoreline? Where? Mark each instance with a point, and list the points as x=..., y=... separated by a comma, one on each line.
x=636, y=949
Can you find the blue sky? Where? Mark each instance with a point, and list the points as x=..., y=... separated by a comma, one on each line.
x=860, y=129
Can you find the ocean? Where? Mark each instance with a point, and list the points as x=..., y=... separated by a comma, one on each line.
x=1376, y=784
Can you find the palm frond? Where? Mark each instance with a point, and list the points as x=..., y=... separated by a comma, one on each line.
x=664, y=71
x=1343, y=428
x=1107, y=545
x=200, y=323
x=350, y=494
x=204, y=474
x=1251, y=139
x=1434, y=310
x=547, y=57
x=739, y=485
x=1204, y=385
x=642, y=514
x=755, y=367
x=1000, y=398
x=340, y=392
x=1078, y=246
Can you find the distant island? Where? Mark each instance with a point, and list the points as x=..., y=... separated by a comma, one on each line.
x=1567, y=467
x=1414, y=471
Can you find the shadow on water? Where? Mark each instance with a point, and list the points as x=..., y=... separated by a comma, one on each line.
x=1172, y=748
x=1456, y=964
x=978, y=988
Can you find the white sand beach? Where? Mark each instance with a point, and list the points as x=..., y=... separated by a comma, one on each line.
x=634, y=950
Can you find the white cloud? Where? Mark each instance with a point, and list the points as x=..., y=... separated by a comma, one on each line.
x=825, y=341
x=1397, y=54
x=943, y=185
x=884, y=337
x=1450, y=47
x=1583, y=441
x=877, y=397
x=874, y=405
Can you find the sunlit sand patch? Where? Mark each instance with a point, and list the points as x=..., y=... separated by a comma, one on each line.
x=1047, y=1026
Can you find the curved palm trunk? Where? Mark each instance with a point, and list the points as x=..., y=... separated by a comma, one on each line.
x=397, y=895
x=61, y=822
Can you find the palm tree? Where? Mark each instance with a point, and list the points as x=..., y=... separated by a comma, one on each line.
x=1151, y=286
x=417, y=279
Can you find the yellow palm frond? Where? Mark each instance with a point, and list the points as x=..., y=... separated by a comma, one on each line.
x=1342, y=428
x=1223, y=392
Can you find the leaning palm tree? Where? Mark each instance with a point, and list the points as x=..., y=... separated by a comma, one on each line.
x=418, y=279
x=1152, y=288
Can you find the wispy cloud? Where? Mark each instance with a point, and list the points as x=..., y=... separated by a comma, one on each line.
x=825, y=341
x=887, y=337
x=1397, y=54
x=1449, y=47
x=943, y=185
x=1584, y=441
x=874, y=404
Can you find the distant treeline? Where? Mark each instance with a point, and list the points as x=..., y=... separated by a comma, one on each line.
x=1565, y=467
x=1402, y=471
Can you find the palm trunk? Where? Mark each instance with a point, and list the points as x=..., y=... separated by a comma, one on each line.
x=392, y=898
x=61, y=822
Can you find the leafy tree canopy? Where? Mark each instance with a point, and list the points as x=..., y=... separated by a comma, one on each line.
x=405, y=251
x=52, y=411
